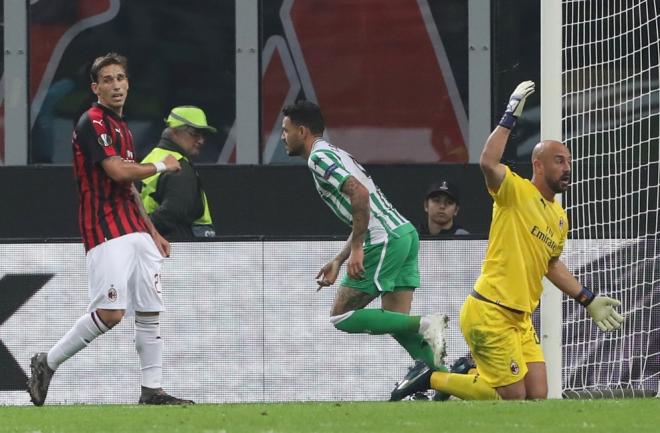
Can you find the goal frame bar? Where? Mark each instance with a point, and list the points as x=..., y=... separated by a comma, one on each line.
x=551, y=128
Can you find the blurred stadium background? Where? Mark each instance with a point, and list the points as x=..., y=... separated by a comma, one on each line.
x=412, y=90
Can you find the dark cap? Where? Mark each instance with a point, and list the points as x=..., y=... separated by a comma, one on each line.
x=443, y=187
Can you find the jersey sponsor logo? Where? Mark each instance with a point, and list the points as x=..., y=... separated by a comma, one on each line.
x=546, y=238
x=515, y=369
x=329, y=171
x=561, y=222
x=105, y=140
x=100, y=122
x=112, y=293
x=129, y=155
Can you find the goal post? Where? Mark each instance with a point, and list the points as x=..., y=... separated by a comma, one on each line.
x=551, y=121
x=608, y=115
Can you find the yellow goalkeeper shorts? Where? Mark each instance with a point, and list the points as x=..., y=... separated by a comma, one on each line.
x=502, y=341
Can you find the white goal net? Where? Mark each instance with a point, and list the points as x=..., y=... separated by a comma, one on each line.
x=611, y=124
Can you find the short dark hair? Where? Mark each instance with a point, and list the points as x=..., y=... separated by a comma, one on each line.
x=306, y=113
x=103, y=61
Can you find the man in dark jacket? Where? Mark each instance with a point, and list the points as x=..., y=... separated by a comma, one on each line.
x=176, y=202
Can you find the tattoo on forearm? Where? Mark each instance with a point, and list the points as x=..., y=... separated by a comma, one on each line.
x=345, y=250
x=360, y=207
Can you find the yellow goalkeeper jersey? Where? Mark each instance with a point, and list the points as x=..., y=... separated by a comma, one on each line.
x=525, y=233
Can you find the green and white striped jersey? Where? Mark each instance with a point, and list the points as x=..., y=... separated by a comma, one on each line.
x=331, y=167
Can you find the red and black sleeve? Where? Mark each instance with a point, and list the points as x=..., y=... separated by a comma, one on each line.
x=94, y=137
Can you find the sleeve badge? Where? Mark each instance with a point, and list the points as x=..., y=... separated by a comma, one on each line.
x=105, y=140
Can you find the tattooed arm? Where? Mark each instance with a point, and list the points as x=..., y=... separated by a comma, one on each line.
x=353, y=249
x=359, y=196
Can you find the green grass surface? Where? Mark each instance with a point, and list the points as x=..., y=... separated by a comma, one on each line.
x=599, y=416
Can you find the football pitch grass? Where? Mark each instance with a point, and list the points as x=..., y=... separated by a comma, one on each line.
x=600, y=416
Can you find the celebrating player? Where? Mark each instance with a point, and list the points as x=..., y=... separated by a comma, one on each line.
x=526, y=238
x=124, y=250
x=381, y=249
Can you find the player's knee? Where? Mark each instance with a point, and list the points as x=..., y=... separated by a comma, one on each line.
x=110, y=318
x=339, y=321
x=537, y=396
x=338, y=310
x=512, y=392
x=515, y=395
x=538, y=393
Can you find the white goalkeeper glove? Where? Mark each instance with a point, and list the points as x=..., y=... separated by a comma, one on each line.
x=516, y=103
x=601, y=310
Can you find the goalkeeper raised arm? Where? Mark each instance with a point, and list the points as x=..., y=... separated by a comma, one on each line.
x=527, y=235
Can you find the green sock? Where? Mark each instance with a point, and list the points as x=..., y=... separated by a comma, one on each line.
x=378, y=322
x=404, y=329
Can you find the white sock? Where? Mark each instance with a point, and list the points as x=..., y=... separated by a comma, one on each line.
x=423, y=324
x=86, y=329
x=426, y=321
x=149, y=347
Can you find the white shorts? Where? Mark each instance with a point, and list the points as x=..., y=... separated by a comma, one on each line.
x=124, y=274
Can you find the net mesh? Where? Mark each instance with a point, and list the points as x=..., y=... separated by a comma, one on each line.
x=610, y=124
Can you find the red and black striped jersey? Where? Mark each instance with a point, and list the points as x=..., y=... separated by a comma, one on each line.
x=107, y=208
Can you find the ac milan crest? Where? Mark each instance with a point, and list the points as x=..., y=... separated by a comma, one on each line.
x=514, y=368
x=112, y=293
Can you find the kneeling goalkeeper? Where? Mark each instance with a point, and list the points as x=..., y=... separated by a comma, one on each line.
x=527, y=235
